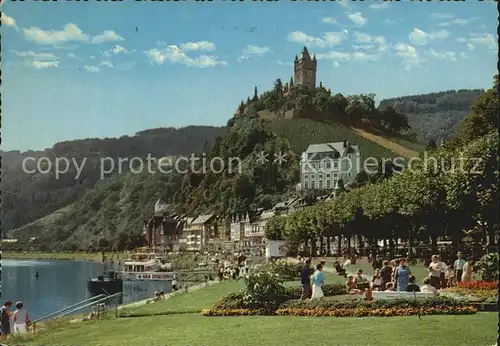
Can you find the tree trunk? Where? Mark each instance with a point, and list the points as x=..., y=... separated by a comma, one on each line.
x=339, y=245
x=328, y=246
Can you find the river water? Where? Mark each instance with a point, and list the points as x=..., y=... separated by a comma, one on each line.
x=60, y=284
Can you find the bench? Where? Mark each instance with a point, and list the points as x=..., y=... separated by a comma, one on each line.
x=389, y=295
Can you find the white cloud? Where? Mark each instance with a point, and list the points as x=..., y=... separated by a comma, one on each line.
x=357, y=19
x=343, y=3
x=470, y=46
x=115, y=50
x=464, y=55
x=106, y=36
x=37, y=56
x=379, y=6
x=43, y=64
x=127, y=66
x=252, y=51
x=448, y=56
x=483, y=39
x=442, y=15
x=70, y=32
x=409, y=55
x=329, y=20
x=256, y=50
x=174, y=54
x=201, y=45
x=284, y=63
x=344, y=56
x=328, y=39
x=74, y=56
x=390, y=21
x=420, y=38
x=91, y=68
x=369, y=42
x=107, y=63
x=457, y=21
x=9, y=21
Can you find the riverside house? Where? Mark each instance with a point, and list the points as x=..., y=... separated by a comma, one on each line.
x=162, y=230
x=198, y=231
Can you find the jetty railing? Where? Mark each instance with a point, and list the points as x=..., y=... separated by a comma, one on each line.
x=93, y=301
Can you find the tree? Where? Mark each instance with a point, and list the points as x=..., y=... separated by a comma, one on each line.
x=431, y=145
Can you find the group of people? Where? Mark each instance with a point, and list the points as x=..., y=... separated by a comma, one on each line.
x=317, y=279
x=15, y=322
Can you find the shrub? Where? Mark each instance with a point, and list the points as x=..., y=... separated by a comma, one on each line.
x=488, y=267
x=294, y=292
x=472, y=295
x=230, y=302
x=286, y=270
x=264, y=290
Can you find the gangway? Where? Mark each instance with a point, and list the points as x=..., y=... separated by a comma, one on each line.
x=93, y=301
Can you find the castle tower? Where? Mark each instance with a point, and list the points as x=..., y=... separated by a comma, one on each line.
x=305, y=69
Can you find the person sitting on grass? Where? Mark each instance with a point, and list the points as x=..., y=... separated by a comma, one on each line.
x=412, y=286
x=361, y=282
x=389, y=287
x=376, y=283
x=339, y=269
x=428, y=288
x=350, y=286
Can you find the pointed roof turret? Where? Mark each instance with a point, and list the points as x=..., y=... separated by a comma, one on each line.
x=305, y=54
x=314, y=57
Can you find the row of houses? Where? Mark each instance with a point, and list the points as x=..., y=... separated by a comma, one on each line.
x=321, y=169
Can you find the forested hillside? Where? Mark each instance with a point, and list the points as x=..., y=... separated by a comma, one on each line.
x=27, y=197
x=435, y=115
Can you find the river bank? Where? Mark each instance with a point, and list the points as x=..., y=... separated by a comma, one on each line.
x=63, y=256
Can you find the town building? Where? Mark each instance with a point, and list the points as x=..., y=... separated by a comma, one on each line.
x=162, y=230
x=197, y=232
x=323, y=165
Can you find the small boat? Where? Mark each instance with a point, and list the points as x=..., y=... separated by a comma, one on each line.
x=110, y=284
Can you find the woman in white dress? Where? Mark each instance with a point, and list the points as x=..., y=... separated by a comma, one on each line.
x=318, y=279
x=467, y=270
x=21, y=319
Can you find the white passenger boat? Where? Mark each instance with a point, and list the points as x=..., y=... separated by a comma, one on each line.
x=146, y=266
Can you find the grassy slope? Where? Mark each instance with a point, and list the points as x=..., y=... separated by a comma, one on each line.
x=303, y=132
x=187, y=328
x=387, y=143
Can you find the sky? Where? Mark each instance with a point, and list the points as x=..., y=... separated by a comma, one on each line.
x=73, y=70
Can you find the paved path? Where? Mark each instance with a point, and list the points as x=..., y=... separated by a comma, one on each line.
x=394, y=147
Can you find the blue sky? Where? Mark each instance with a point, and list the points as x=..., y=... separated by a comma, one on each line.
x=78, y=70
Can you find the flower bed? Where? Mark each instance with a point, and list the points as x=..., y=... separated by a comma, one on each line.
x=478, y=285
x=474, y=291
x=347, y=312
x=436, y=302
x=386, y=312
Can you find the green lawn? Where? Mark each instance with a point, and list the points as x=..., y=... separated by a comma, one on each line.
x=194, y=329
x=173, y=322
x=204, y=298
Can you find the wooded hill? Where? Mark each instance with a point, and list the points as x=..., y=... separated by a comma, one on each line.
x=70, y=211
x=435, y=115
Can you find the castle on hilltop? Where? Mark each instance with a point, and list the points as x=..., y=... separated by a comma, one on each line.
x=305, y=69
x=304, y=73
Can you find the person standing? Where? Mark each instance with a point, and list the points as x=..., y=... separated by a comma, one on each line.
x=21, y=319
x=442, y=276
x=435, y=272
x=459, y=266
x=467, y=270
x=377, y=263
x=5, y=319
x=305, y=280
x=385, y=273
x=318, y=281
x=402, y=276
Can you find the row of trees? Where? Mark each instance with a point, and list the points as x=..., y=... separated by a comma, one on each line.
x=451, y=192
